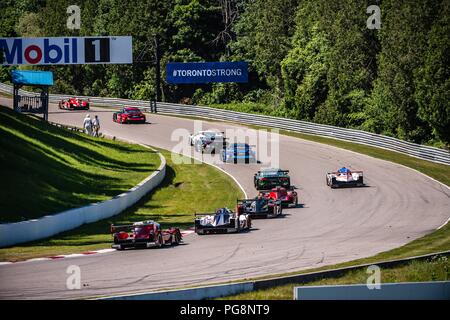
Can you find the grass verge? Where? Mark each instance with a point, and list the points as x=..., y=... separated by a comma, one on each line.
x=415, y=271
x=46, y=170
x=186, y=188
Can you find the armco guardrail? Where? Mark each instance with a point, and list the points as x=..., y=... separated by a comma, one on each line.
x=30, y=230
x=432, y=290
x=221, y=290
x=412, y=149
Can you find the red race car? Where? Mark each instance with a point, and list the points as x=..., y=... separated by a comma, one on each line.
x=288, y=197
x=74, y=104
x=129, y=115
x=145, y=234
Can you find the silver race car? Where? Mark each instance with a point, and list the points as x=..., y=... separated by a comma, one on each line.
x=209, y=141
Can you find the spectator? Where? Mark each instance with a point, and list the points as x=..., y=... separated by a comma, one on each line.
x=87, y=125
x=96, y=125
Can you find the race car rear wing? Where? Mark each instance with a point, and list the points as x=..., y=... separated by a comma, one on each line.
x=204, y=214
x=282, y=171
x=356, y=171
x=291, y=188
x=128, y=227
x=248, y=200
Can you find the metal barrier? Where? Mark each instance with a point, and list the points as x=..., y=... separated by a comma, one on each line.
x=358, y=136
x=433, y=290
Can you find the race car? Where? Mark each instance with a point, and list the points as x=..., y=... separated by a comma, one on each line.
x=267, y=179
x=207, y=141
x=260, y=207
x=345, y=178
x=73, y=104
x=144, y=234
x=288, y=197
x=238, y=153
x=222, y=221
x=129, y=115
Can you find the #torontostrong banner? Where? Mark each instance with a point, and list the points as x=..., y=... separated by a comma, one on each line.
x=206, y=72
x=66, y=50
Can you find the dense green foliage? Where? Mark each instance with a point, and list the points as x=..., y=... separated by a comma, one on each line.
x=313, y=60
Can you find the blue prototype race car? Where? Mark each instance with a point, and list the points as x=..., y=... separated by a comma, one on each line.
x=238, y=153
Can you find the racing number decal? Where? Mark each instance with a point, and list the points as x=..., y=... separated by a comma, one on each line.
x=96, y=50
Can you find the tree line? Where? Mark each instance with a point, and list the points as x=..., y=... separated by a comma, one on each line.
x=313, y=60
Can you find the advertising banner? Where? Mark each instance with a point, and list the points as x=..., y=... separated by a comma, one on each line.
x=66, y=50
x=206, y=72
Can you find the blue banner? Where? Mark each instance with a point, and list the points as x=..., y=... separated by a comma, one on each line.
x=206, y=72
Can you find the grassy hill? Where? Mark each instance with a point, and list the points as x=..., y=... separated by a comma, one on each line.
x=45, y=169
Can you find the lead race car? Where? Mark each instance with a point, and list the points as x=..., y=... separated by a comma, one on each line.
x=145, y=234
x=344, y=177
x=207, y=141
x=222, y=221
x=129, y=115
x=73, y=104
x=260, y=207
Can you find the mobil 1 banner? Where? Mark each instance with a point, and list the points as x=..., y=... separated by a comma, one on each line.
x=206, y=72
x=66, y=50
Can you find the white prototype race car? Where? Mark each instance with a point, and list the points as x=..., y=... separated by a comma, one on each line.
x=345, y=178
x=207, y=141
x=222, y=221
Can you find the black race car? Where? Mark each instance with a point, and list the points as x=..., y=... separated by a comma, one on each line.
x=260, y=207
x=267, y=179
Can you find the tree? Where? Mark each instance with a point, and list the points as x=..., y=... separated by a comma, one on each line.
x=264, y=33
x=433, y=77
x=393, y=108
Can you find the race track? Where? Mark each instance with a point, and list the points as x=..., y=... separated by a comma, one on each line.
x=398, y=206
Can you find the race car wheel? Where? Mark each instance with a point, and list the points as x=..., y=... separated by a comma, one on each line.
x=175, y=239
x=160, y=241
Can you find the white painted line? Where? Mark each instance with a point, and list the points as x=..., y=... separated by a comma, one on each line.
x=448, y=220
x=37, y=259
x=105, y=250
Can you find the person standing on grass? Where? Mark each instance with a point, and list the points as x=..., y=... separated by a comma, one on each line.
x=87, y=125
x=96, y=125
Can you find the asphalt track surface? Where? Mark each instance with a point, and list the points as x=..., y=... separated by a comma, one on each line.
x=331, y=226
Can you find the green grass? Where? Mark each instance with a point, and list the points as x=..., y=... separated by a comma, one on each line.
x=187, y=188
x=248, y=107
x=46, y=169
x=415, y=271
